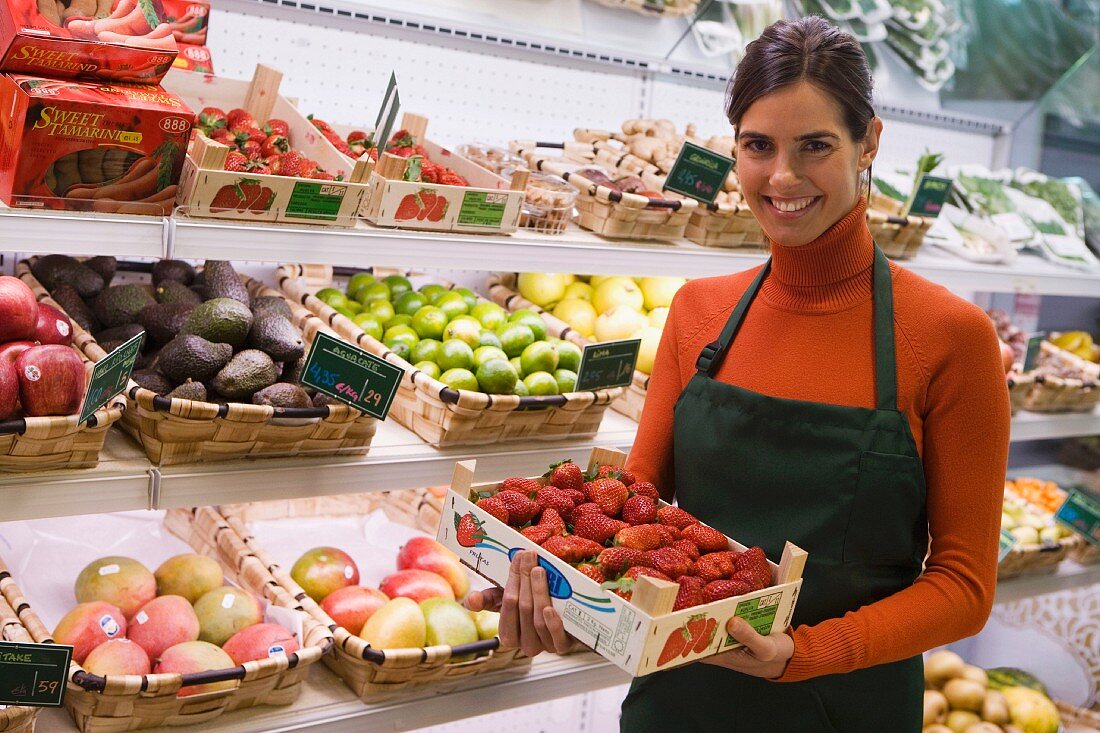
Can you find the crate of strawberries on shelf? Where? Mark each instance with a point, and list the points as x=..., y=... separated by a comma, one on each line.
x=644, y=583
x=254, y=157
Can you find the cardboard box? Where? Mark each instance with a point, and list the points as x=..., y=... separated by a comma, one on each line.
x=207, y=190
x=189, y=20
x=194, y=58
x=91, y=146
x=115, y=40
x=631, y=634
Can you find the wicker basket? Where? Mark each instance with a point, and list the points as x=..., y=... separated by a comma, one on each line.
x=675, y=8
x=729, y=226
x=447, y=417
x=175, y=431
x=1039, y=392
x=16, y=719
x=899, y=237
x=45, y=443
x=1037, y=559
x=1078, y=717
x=373, y=674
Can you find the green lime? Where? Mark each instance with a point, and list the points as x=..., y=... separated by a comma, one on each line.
x=380, y=309
x=520, y=390
x=532, y=320
x=453, y=304
x=566, y=379
x=517, y=365
x=514, y=338
x=401, y=349
x=401, y=333
x=429, y=367
x=428, y=321
x=427, y=350
x=538, y=357
x=398, y=285
x=490, y=315
x=464, y=328
x=370, y=325
x=488, y=338
x=374, y=291
x=332, y=297
x=569, y=355
x=485, y=353
x=346, y=312
x=409, y=302
x=357, y=281
x=433, y=292
x=459, y=379
x=399, y=320
x=455, y=354
x=355, y=307
x=468, y=295
x=541, y=383
x=497, y=376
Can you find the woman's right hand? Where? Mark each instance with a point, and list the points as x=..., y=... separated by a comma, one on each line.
x=527, y=619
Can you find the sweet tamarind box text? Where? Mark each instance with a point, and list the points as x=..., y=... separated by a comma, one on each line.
x=91, y=146
x=115, y=40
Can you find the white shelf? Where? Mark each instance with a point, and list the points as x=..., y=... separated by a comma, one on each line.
x=1069, y=575
x=1035, y=426
x=80, y=233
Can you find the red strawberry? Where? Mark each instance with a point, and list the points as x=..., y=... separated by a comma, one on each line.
x=624, y=586
x=755, y=562
x=277, y=127
x=566, y=475
x=715, y=565
x=669, y=561
x=221, y=136
x=537, y=534
x=696, y=626
x=671, y=533
x=571, y=548
x=687, y=547
x=615, y=561
x=468, y=530
x=211, y=119
x=674, y=645
x=641, y=537
x=521, y=510
x=427, y=203
x=707, y=539
x=525, y=486
x=552, y=521
x=494, y=507
x=707, y=637
x=237, y=117
x=438, y=209
x=251, y=149
x=690, y=593
x=242, y=134
x=259, y=167
x=291, y=164
x=597, y=527
x=358, y=136
x=586, y=508
x=275, y=145
x=624, y=475
x=640, y=510
x=552, y=497
x=676, y=517
x=320, y=175
x=408, y=208
x=610, y=494
x=644, y=488
x=716, y=590
x=449, y=178
x=576, y=496
x=592, y=571
x=320, y=124
x=236, y=162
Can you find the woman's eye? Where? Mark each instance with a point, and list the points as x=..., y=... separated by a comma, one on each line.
x=816, y=146
x=756, y=146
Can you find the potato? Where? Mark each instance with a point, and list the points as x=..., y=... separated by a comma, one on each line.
x=995, y=708
x=935, y=707
x=937, y=728
x=942, y=666
x=964, y=694
x=977, y=674
x=959, y=720
x=984, y=727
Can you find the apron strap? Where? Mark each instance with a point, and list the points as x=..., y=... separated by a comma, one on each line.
x=710, y=358
x=886, y=371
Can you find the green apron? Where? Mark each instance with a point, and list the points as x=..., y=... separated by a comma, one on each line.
x=844, y=483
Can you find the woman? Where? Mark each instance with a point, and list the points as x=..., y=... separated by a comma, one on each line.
x=828, y=398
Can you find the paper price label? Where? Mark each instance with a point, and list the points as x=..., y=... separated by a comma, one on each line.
x=1008, y=541
x=610, y=364
x=1081, y=513
x=1034, y=348
x=110, y=375
x=929, y=196
x=699, y=173
x=33, y=674
x=351, y=375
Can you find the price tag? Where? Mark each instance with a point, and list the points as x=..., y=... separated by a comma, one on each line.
x=610, y=364
x=351, y=375
x=929, y=196
x=33, y=674
x=1008, y=541
x=699, y=173
x=1034, y=347
x=1081, y=513
x=387, y=114
x=110, y=375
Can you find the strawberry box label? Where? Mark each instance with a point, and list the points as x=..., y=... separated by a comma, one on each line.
x=316, y=200
x=759, y=612
x=482, y=209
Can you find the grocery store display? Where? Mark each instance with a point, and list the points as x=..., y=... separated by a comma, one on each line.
x=670, y=8
x=91, y=146
x=1028, y=514
x=17, y=718
x=612, y=551
x=258, y=146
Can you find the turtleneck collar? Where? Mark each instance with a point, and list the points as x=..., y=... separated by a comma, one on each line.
x=831, y=273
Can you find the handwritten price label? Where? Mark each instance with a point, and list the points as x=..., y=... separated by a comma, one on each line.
x=110, y=375
x=699, y=173
x=33, y=674
x=351, y=375
x=608, y=364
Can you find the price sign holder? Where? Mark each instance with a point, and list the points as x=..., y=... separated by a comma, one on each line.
x=351, y=375
x=1034, y=348
x=610, y=364
x=110, y=375
x=34, y=674
x=929, y=196
x=1081, y=513
x=699, y=173
x=1008, y=541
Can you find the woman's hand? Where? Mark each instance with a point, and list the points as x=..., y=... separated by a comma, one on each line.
x=761, y=656
x=527, y=620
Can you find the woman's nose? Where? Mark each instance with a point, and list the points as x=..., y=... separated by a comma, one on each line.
x=785, y=175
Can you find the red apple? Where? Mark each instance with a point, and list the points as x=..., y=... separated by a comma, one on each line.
x=10, y=351
x=53, y=327
x=424, y=553
x=418, y=585
x=18, y=309
x=9, y=390
x=350, y=607
x=51, y=380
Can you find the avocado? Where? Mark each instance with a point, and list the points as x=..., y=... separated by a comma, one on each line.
x=54, y=270
x=189, y=390
x=174, y=271
x=193, y=357
x=152, y=380
x=320, y=399
x=276, y=336
x=104, y=266
x=121, y=304
x=199, y=286
x=292, y=370
x=271, y=304
x=221, y=320
x=246, y=373
x=118, y=334
x=73, y=305
x=282, y=394
x=163, y=321
x=171, y=291
x=222, y=281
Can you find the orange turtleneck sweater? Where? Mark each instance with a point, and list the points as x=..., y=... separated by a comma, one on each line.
x=808, y=336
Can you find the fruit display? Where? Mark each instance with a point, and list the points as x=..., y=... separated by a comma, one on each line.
x=403, y=144
x=1078, y=343
x=548, y=205
x=1046, y=496
x=1030, y=523
x=258, y=147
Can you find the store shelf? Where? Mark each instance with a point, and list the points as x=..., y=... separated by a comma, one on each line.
x=65, y=232
x=1069, y=575
x=1035, y=426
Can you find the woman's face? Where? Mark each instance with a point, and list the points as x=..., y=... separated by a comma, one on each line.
x=798, y=165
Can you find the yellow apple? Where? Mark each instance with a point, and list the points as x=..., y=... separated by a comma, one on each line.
x=657, y=317
x=542, y=289
x=658, y=291
x=620, y=322
x=579, y=314
x=578, y=290
x=650, y=337
x=617, y=291
x=595, y=280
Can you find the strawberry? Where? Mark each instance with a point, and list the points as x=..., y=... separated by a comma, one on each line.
x=258, y=166
x=525, y=486
x=552, y=521
x=641, y=537
x=408, y=208
x=468, y=530
x=450, y=178
x=551, y=497
x=715, y=565
x=237, y=117
x=716, y=590
x=236, y=162
x=403, y=145
x=320, y=175
x=320, y=124
x=687, y=547
x=494, y=507
x=251, y=149
x=576, y=496
x=707, y=637
x=671, y=534
x=275, y=145
x=696, y=626
x=640, y=510
x=592, y=571
x=211, y=119
x=566, y=475
x=571, y=548
x=690, y=593
x=627, y=477
x=428, y=202
x=624, y=586
x=610, y=494
x=644, y=488
x=222, y=136
x=537, y=534
x=358, y=136
x=290, y=164
x=243, y=133
x=755, y=562
x=615, y=561
x=521, y=510
x=676, y=517
x=438, y=210
x=707, y=539
x=674, y=645
x=276, y=127
x=586, y=508
x=597, y=527
x=669, y=561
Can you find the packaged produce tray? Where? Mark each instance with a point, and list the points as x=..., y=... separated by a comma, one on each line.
x=636, y=635
x=117, y=703
x=669, y=8
x=22, y=627
x=1044, y=390
x=46, y=443
x=269, y=536
x=443, y=416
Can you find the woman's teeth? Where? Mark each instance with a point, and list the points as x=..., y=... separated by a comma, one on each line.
x=793, y=205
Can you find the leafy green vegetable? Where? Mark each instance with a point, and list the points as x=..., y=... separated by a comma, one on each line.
x=1057, y=193
x=928, y=162
x=887, y=190
x=986, y=194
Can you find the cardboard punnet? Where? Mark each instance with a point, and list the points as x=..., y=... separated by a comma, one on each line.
x=207, y=190
x=638, y=636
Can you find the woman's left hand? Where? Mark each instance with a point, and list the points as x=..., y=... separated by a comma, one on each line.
x=761, y=656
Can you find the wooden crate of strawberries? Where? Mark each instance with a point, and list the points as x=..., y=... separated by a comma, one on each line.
x=645, y=584
x=255, y=157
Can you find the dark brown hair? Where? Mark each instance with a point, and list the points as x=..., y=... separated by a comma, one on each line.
x=807, y=49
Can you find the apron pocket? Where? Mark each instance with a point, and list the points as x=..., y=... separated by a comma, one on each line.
x=888, y=511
